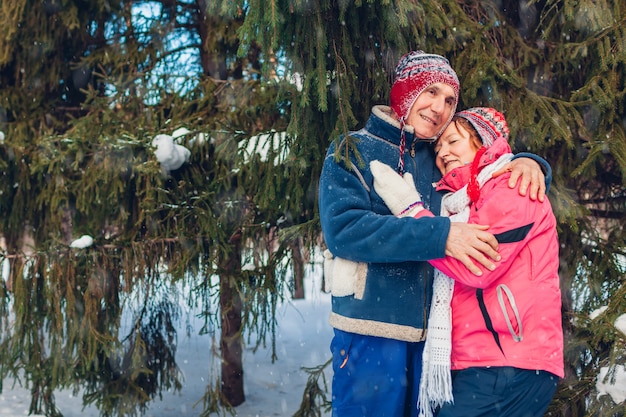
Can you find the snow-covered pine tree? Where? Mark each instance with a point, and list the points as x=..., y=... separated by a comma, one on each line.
x=84, y=92
x=85, y=87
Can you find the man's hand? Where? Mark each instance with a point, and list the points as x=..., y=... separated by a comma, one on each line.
x=471, y=241
x=531, y=175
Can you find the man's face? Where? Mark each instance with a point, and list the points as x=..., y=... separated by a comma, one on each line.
x=431, y=110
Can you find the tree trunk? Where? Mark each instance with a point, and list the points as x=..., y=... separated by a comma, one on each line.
x=231, y=341
x=573, y=407
x=298, y=269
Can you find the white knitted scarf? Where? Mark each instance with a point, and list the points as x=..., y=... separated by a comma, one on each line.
x=436, y=380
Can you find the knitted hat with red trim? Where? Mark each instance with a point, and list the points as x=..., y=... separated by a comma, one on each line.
x=489, y=123
x=415, y=72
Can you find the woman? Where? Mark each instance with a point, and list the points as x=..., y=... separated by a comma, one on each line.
x=506, y=335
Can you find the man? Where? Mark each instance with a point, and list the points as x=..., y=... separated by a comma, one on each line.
x=381, y=296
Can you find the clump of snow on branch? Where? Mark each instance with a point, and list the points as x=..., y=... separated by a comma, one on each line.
x=620, y=323
x=82, y=242
x=297, y=80
x=170, y=155
x=615, y=385
x=195, y=138
x=1, y=136
x=595, y=313
x=263, y=144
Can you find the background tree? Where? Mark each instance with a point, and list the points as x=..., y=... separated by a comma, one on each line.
x=557, y=70
x=82, y=162
x=86, y=86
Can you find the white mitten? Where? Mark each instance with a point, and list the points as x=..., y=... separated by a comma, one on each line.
x=398, y=192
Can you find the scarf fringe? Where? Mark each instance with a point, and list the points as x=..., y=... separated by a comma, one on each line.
x=436, y=392
x=436, y=379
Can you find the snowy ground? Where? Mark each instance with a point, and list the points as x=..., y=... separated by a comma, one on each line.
x=303, y=339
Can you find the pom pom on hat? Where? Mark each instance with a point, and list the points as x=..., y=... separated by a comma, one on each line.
x=415, y=72
x=489, y=123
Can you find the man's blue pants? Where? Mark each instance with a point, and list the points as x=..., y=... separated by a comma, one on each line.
x=374, y=376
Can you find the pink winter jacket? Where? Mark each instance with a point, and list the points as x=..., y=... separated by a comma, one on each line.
x=521, y=297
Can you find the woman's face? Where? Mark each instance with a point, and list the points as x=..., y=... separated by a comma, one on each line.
x=454, y=148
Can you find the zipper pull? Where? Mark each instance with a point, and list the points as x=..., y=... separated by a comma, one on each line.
x=412, y=151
